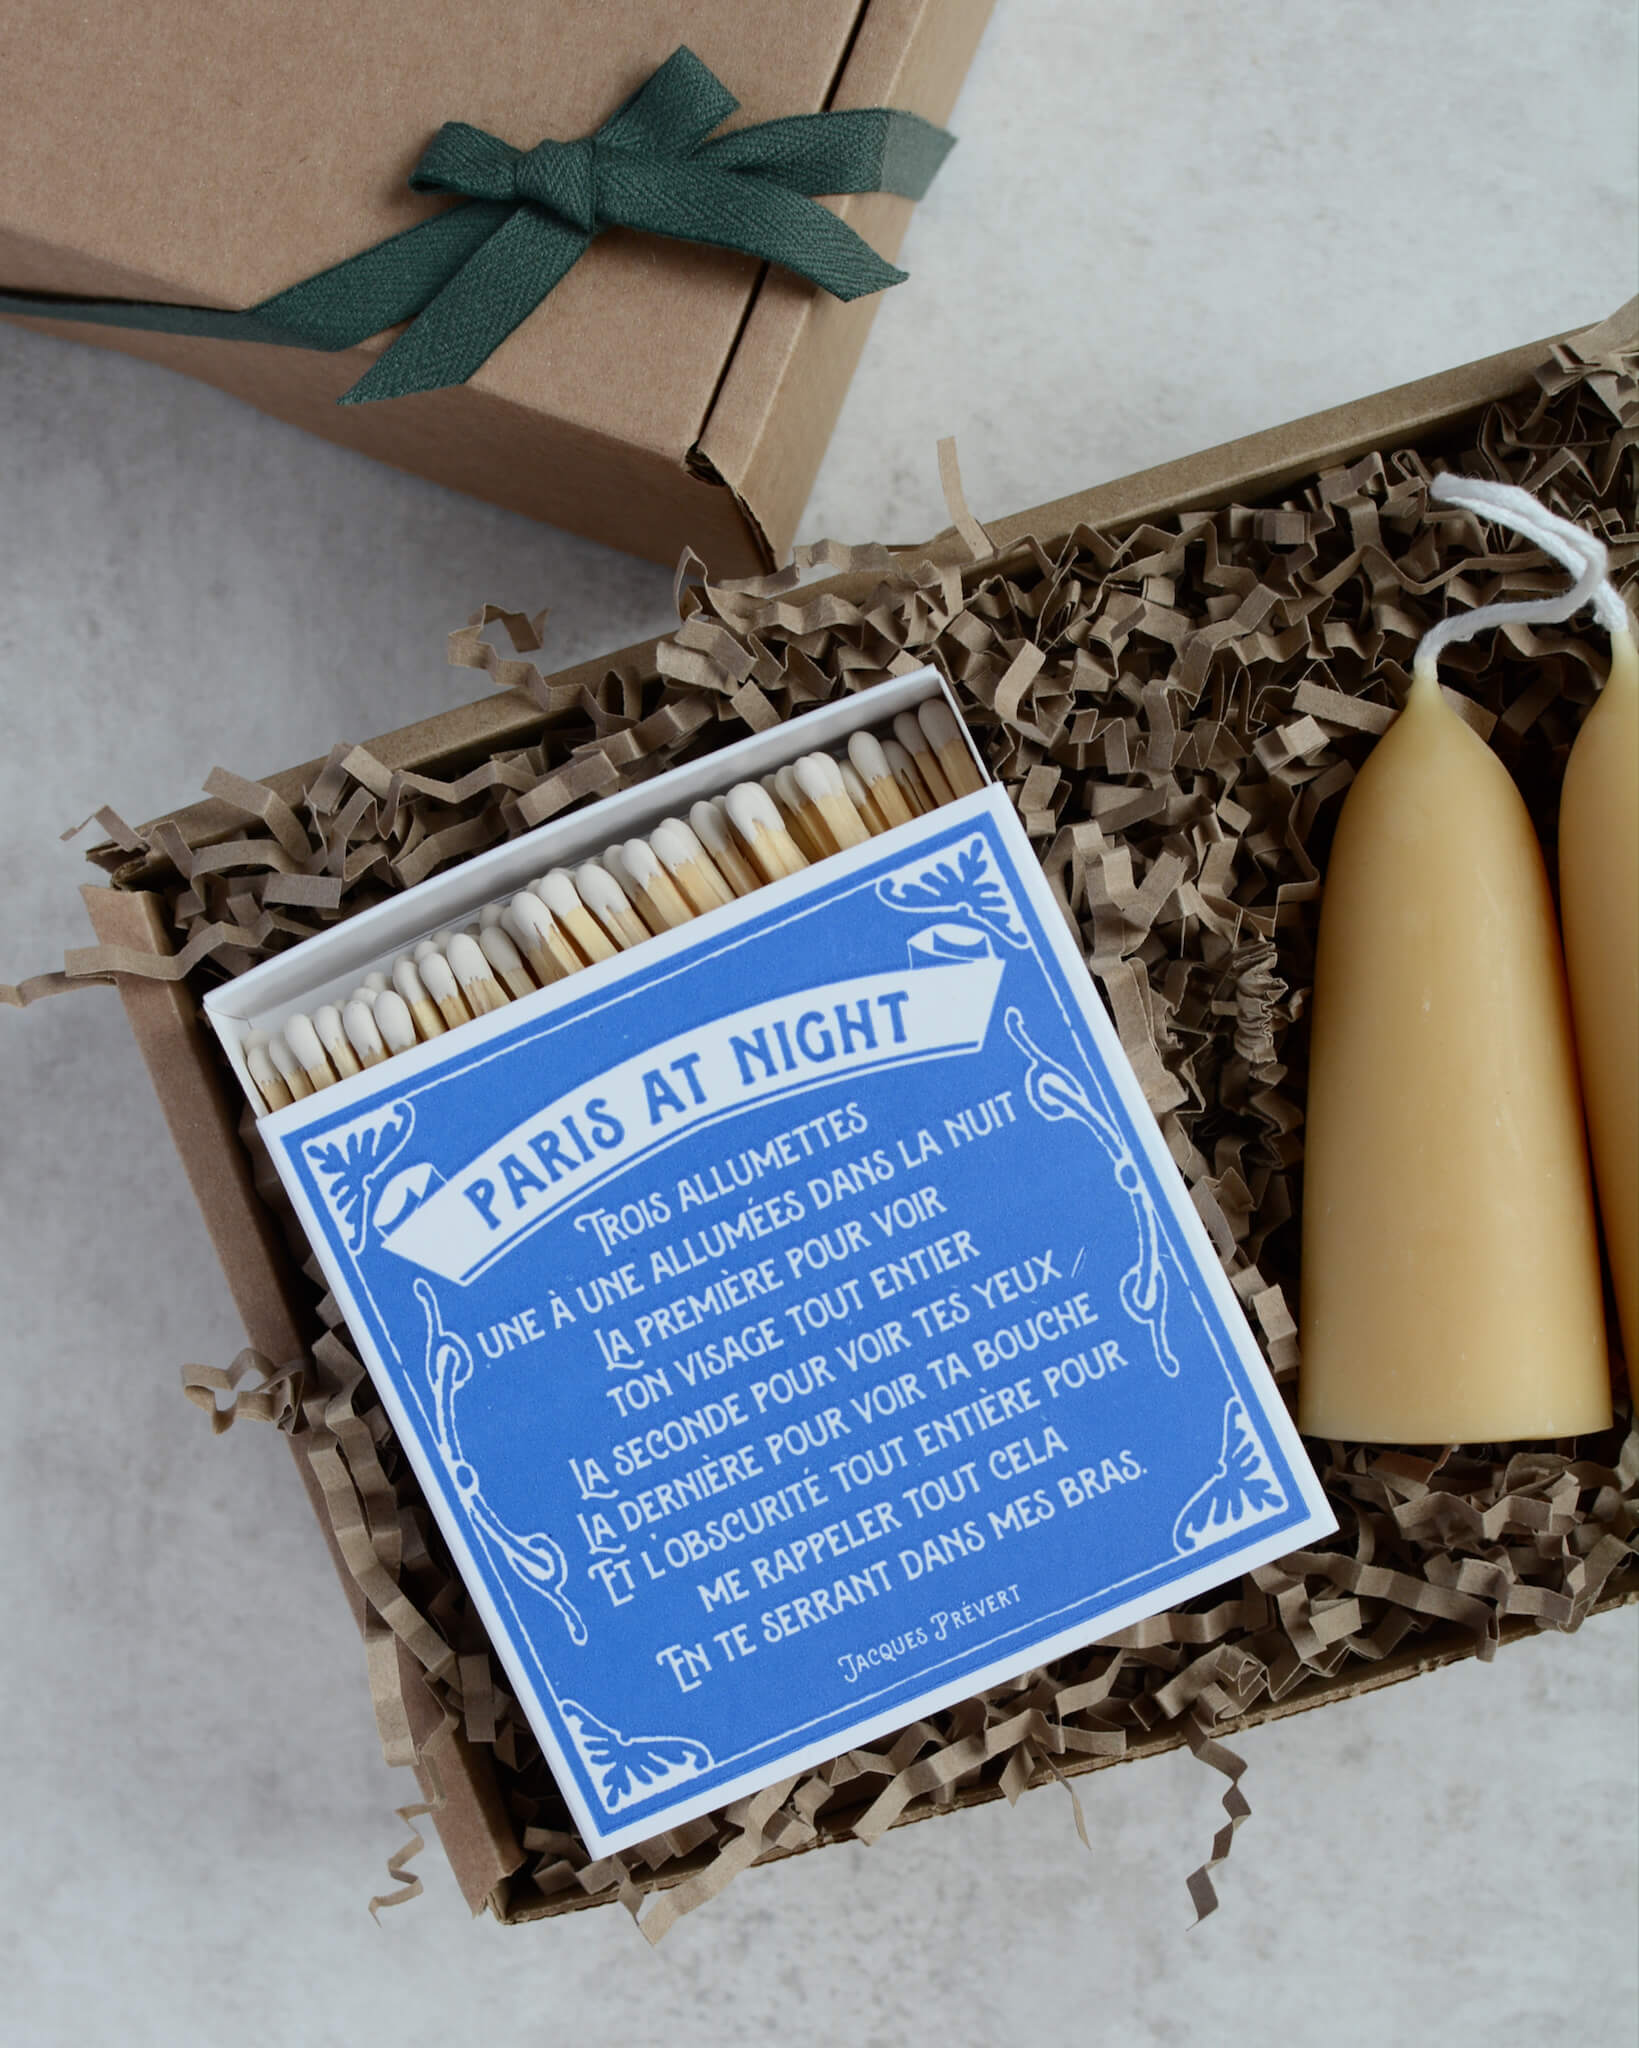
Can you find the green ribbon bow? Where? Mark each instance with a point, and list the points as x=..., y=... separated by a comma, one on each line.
x=466, y=278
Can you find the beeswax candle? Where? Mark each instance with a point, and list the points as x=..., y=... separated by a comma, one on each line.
x=1450, y=1282
x=1599, y=907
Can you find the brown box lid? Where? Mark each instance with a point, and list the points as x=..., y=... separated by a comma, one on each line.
x=662, y=392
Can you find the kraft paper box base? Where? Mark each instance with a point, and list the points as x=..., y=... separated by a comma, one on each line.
x=1175, y=700
x=794, y=1321
x=664, y=394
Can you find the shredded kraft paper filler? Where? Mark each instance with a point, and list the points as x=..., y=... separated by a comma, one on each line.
x=1176, y=716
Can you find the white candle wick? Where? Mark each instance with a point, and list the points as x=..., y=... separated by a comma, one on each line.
x=1577, y=550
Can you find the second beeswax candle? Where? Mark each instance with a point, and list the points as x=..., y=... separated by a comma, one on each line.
x=1450, y=1287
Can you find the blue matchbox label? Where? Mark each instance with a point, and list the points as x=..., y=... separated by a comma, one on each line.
x=797, y=1324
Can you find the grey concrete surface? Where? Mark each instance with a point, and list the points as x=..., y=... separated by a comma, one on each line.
x=1165, y=226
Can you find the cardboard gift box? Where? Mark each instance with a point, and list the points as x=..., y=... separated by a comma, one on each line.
x=1431, y=1577
x=663, y=394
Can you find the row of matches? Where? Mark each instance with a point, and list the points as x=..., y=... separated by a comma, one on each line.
x=729, y=846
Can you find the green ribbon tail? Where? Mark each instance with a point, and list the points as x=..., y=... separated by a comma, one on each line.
x=856, y=149
x=690, y=202
x=153, y=318
x=494, y=291
x=336, y=309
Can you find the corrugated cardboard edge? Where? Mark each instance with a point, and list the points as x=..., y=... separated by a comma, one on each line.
x=455, y=1778
x=774, y=413
x=1251, y=467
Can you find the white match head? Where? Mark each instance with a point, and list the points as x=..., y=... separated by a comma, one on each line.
x=613, y=858
x=467, y=960
x=752, y=810
x=900, y=764
x=557, y=891
x=711, y=826
x=393, y=1020
x=327, y=1023
x=358, y=1020
x=865, y=751
x=600, y=892
x=908, y=731
x=502, y=955
x=407, y=980
x=437, y=978
x=284, y=1059
x=938, y=721
x=488, y=916
x=675, y=844
x=788, y=789
x=376, y=981
x=529, y=917
x=641, y=860
x=424, y=951
x=853, y=787
x=818, y=777
x=304, y=1041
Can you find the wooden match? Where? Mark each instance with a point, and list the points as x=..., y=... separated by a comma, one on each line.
x=714, y=830
x=756, y=817
x=290, y=1068
x=609, y=904
x=504, y=958
x=440, y=982
x=264, y=1073
x=951, y=750
x=480, y=991
x=820, y=781
x=304, y=1041
x=333, y=1037
x=908, y=731
x=548, y=950
x=391, y=1017
x=659, y=899
x=802, y=819
x=359, y=1021
x=867, y=757
x=408, y=983
x=558, y=892
x=918, y=798
x=860, y=797
x=690, y=866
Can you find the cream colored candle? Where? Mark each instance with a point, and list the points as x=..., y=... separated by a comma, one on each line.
x=1450, y=1282
x=1599, y=907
